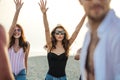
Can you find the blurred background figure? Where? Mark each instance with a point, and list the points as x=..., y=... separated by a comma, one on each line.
x=77, y=55
x=5, y=67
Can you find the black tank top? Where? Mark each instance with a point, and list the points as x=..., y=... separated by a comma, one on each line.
x=57, y=64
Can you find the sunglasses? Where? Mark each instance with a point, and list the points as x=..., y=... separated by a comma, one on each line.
x=18, y=30
x=59, y=32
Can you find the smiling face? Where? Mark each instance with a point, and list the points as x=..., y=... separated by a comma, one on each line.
x=59, y=34
x=96, y=9
x=17, y=32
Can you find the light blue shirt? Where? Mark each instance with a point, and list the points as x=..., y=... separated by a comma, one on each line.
x=107, y=52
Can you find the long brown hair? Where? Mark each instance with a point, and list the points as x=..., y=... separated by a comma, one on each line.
x=65, y=41
x=22, y=41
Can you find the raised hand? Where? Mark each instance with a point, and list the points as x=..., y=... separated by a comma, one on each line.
x=42, y=5
x=18, y=4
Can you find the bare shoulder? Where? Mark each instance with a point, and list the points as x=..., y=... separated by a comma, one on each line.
x=28, y=44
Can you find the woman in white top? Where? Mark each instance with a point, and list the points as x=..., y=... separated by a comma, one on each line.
x=18, y=47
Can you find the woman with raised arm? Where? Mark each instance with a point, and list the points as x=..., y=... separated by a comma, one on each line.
x=57, y=46
x=18, y=46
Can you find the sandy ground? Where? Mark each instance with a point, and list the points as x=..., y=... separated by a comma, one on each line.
x=38, y=67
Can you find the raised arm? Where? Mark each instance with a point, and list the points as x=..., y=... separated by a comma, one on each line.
x=18, y=4
x=5, y=68
x=43, y=8
x=75, y=33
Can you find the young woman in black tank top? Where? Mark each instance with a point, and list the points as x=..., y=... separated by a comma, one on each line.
x=57, y=46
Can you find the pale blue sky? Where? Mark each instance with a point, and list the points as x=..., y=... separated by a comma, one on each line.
x=65, y=12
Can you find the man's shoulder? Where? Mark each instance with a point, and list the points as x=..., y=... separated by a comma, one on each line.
x=114, y=32
x=115, y=25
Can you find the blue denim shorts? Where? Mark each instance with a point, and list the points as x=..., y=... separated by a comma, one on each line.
x=21, y=75
x=50, y=77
